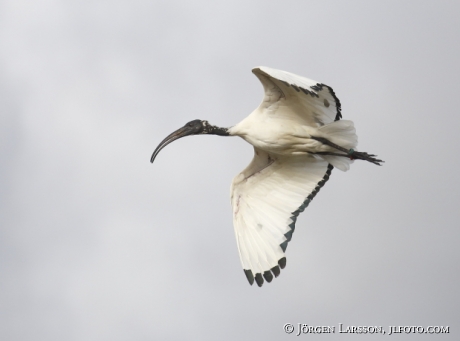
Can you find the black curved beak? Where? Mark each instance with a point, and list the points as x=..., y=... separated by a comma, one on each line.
x=184, y=131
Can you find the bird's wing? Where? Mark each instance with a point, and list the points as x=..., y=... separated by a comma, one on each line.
x=267, y=197
x=304, y=99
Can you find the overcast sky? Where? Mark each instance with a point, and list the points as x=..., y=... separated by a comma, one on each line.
x=98, y=244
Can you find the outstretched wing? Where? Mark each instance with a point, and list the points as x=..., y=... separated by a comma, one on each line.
x=267, y=197
x=311, y=102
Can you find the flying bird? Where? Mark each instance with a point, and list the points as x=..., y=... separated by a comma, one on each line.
x=298, y=138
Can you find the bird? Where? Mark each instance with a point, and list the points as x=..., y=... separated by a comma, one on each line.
x=298, y=137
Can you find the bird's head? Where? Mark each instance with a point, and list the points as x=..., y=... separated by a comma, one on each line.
x=195, y=127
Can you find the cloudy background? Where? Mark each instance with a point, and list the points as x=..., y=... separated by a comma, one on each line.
x=98, y=244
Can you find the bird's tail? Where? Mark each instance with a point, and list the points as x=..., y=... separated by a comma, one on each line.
x=342, y=133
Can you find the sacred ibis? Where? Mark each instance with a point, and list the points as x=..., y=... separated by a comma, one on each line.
x=298, y=139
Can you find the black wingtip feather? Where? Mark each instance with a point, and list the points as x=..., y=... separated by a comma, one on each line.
x=259, y=279
x=249, y=276
x=284, y=245
x=268, y=276
x=288, y=235
x=276, y=270
x=282, y=262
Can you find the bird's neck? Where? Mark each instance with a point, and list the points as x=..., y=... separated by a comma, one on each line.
x=213, y=130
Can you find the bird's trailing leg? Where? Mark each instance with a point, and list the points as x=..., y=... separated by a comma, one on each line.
x=351, y=153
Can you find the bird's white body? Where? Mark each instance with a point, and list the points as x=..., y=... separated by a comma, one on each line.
x=275, y=134
x=281, y=136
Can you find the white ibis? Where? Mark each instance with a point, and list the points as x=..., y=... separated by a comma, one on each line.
x=298, y=139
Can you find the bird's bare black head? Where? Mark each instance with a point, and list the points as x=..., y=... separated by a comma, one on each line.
x=195, y=127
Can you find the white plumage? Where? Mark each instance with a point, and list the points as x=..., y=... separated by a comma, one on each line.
x=298, y=138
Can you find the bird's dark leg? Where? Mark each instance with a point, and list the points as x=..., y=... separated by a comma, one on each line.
x=351, y=153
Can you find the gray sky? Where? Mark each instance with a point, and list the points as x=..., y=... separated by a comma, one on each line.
x=98, y=244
